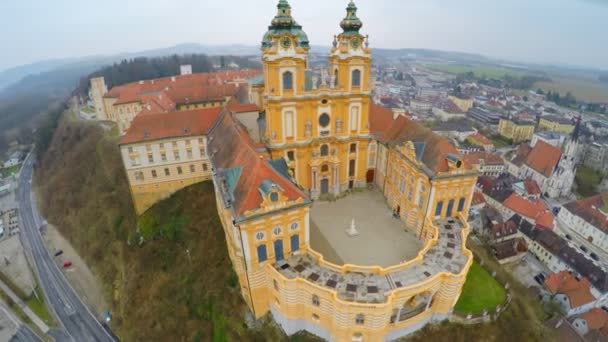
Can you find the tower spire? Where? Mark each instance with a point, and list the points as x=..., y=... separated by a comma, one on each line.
x=351, y=24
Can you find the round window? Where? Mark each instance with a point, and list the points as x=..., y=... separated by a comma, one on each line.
x=324, y=101
x=277, y=231
x=294, y=226
x=324, y=120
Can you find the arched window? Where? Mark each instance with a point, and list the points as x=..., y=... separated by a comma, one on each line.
x=336, y=77
x=315, y=300
x=360, y=319
x=274, y=197
x=287, y=80
x=324, y=150
x=439, y=208
x=461, y=204
x=262, y=255
x=356, y=78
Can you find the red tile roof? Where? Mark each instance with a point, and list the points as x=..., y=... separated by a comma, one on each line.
x=596, y=318
x=236, y=107
x=543, y=158
x=154, y=126
x=534, y=210
x=478, y=198
x=476, y=158
x=522, y=153
x=183, y=89
x=577, y=291
x=380, y=118
x=591, y=210
x=231, y=148
x=436, y=148
x=480, y=139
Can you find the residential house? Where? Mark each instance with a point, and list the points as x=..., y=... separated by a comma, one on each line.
x=516, y=130
x=485, y=163
x=571, y=293
x=554, y=123
x=592, y=325
x=480, y=140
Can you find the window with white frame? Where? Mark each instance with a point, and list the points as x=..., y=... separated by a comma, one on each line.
x=277, y=231
x=294, y=226
x=260, y=236
x=289, y=123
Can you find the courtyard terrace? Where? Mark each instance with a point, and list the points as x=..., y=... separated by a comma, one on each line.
x=369, y=286
x=383, y=240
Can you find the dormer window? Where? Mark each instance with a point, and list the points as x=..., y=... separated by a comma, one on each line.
x=274, y=197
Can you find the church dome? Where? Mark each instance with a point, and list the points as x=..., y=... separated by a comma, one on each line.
x=284, y=23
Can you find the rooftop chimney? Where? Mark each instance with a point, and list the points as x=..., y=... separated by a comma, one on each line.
x=185, y=69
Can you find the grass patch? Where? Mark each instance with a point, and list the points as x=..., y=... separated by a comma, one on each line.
x=8, y=171
x=587, y=181
x=38, y=306
x=480, y=292
x=500, y=141
x=480, y=70
x=583, y=89
x=88, y=110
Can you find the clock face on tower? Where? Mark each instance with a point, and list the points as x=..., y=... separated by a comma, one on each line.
x=286, y=43
x=355, y=43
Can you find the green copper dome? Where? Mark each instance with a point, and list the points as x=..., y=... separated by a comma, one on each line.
x=351, y=24
x=284, y=23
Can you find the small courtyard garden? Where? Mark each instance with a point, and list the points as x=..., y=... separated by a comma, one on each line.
x=480, y=292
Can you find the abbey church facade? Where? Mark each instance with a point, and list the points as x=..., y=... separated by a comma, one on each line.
x=274, y=142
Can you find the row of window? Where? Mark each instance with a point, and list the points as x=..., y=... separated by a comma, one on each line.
x=288, y=79
x=139, y=175
x=450, y=208
x=163, y=157
x=261, y=236
x=168, y=145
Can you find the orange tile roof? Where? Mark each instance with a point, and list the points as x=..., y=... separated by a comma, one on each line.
x=596, y=318
x=577, y=291
x=487, y=158
x=237, y=107
x=481, y=139
x=231, y=148
x=478, y=198
x=380, y=118
x=436, y=148
x=154, y=126
x=590, y=209
x=193, y=87
x=534, y=210
x=543, y=158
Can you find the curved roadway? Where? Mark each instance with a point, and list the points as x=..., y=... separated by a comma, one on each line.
x=77, y=321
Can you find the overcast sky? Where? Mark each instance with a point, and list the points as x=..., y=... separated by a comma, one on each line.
x=571, y=32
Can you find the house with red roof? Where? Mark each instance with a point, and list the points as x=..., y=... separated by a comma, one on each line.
x=478, y=139
x=592, y=325
x=571, y=293
x=586, y=220
x=534, y=211
x=123, y=103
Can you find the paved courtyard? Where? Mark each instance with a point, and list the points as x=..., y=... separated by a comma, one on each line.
x=382, y=241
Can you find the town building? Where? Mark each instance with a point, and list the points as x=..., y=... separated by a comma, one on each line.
x=454, y=129
x=484, y=117
x=592, y=325
x=596, y=156
x=478, y=139
x=463, y=102
x=184, y=92
x=446, y=109
x=558, y=255
x=586, y=221
x=320, y=136
x=572, y=294
x=551, y=138
x=485, y=163
x=554, y=123
x=516, y=130
x=553, y=170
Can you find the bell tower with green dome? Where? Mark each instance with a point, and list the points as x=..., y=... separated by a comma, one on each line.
x=350, y=58
x=285, y=49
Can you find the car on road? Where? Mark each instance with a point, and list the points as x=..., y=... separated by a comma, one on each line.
x=67, y=264
x=59, y=252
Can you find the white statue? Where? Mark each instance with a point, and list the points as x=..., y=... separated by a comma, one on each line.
x=352, y=231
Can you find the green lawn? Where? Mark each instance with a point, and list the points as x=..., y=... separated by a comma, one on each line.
x=479, y=70
x=587, y=181
x=7, y=171
x=500, y=141
x=583, y=89
x=480, y=292
x=88, y=110
x=37, y=305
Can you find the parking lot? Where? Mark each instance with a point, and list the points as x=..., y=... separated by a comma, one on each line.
x=526, y=269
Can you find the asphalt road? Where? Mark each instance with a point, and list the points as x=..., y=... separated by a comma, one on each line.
x=24, y=334
x=77, y=321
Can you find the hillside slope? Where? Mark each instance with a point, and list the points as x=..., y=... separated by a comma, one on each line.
x=158, y=291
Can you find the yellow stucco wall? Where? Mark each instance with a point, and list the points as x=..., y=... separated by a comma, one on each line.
x=517, y=133
x=547, y=125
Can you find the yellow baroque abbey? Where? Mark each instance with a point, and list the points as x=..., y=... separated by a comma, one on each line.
x=278, y=145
